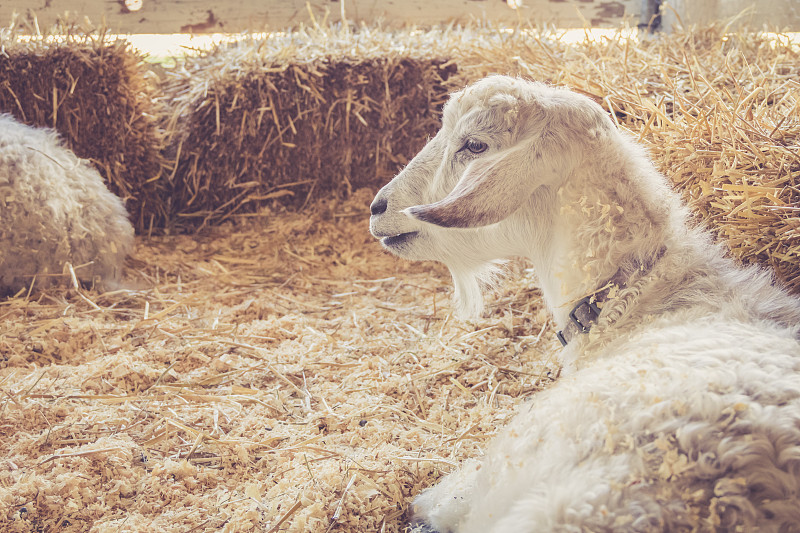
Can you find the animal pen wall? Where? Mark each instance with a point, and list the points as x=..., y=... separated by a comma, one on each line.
x=265, y=366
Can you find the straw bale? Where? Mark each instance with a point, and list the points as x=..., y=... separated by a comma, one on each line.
x=296, y=117
x=96, y=93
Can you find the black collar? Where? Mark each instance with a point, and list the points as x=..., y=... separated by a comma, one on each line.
x=587, y=309
x=582, y=316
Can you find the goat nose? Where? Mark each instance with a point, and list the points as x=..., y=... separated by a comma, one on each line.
x=378, y=206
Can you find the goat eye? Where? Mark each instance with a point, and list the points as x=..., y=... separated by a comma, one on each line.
x=476, y=147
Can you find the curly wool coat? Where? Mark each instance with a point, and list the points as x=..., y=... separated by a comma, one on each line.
x=55, y=209
x=681, y=407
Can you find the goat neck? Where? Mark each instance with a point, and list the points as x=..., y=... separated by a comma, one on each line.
x=613, y=218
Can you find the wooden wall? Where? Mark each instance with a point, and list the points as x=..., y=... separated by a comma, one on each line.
x=205, y=16
x=757, y=14
x=208, y=16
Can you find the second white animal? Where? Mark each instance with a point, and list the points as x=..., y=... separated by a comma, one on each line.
x=55, y=209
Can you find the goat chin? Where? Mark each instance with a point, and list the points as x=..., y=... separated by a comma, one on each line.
x=681, y=406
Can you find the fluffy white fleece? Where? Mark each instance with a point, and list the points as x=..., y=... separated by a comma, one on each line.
x=54, y=209
x=680, y=427
x=680, y=410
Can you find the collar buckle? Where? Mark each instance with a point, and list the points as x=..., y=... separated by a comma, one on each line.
x=590, y=313
x=582, y=316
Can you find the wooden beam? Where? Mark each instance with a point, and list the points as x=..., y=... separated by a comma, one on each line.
x=753, y=14
x=206, y=16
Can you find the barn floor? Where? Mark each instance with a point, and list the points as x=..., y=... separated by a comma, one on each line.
x=281, y=373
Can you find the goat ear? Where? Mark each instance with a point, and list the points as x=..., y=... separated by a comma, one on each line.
x=490, y=190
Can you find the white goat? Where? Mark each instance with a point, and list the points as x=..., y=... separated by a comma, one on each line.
x=54, y=209
x=681, y=407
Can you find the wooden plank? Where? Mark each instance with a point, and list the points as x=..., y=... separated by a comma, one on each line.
x=205, y=16
x=761, y=14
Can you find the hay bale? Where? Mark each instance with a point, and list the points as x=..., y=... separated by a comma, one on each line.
x=95, y=92
x=296, y=117
x=727, y=128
